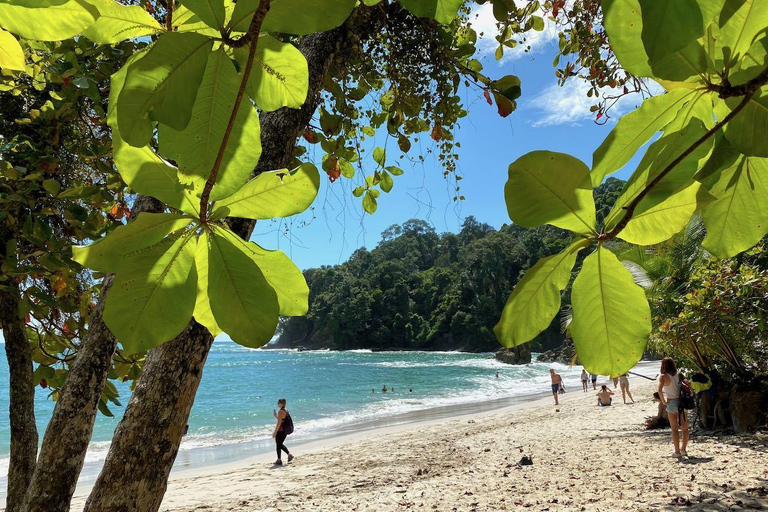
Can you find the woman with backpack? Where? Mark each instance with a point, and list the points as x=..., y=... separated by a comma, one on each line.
x=282, y=429
x=669, y=395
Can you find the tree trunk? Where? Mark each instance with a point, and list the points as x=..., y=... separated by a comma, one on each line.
x=135, y=473
x=22, y=399
x=69, y=431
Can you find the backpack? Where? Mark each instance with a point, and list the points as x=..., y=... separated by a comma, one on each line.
x=687, y=398
x=288, y=424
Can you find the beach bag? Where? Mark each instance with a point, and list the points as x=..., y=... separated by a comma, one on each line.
x=687, y=398
x=288, y=424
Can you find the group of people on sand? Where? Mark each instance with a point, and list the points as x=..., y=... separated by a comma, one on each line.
x=604, y=396
x=668, y=397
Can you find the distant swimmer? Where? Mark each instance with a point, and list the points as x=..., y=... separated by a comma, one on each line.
x=393, y=390
x=373, y=390
x=384, y=388
x=410, y=390
x=497, y=375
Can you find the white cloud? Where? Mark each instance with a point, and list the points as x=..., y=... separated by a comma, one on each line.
x=483, y=21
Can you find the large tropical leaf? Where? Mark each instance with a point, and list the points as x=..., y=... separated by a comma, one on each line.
x=738, y=218
x=111, y=253
x=211, y=12
x=659, y=155
x=669, y=27
x=152, y=299
x=741, y=22
x=141, y=168
x=196, y=147
x=283, y=276
x=203, y=314
x=119, y=22
x=635, y=129
x=611, y=317
x=550, y=188
x=443, y=11
x=536, y=298
x=280, y=75
x=299, y=17
x=243, y=303
x=162, y=86
x=623, y=22
x=661, y=221
x=47, y=20
x=11, y=54
x=746, y=131
x=273, y=194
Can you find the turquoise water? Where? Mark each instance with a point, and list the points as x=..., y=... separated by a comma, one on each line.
x=326, y=391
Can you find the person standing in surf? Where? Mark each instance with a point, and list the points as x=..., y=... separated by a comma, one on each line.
x=282, y=429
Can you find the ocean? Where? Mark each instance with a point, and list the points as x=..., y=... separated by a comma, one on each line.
x=328, y=393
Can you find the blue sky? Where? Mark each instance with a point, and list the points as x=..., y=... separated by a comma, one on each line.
x=548, y=117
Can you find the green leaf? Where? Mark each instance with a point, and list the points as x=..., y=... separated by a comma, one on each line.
x=635, y=129
x=243, y=303
x=274, y=194
x=143, y=170
x=623, y=23
x=741, y=22
x=202, y=313
x=443, y=11
x=123, y=244
x=51, y=186
x=120, y=22
x=536, y=298
x=152, y=299
x=550, y=188
x=46, y=20
x=386, y=182
x=283, y=276
x=738, y=218
x=669, y=27
x=211, y=12
x=280, y=75
x=185, y=20
x=753, y=63
x=658, y=156
x=11, y=54
x=358, y=191
x=380, y=156
x=660, y=222
x=162, y=86
x=300, y=17
x=611, y=317
x=369, y=202
x=196, y=147
x=747, y=130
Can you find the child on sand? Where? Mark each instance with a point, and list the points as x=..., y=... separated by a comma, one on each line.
x=604, y=396
x=557, y=383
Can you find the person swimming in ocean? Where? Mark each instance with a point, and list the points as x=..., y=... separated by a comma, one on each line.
x=384, y=388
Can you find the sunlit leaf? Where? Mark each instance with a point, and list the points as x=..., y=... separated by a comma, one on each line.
x=661, y=221
x=611, y=317
x=536, y=298
x=443, y=11
x=11, y=54
x=299, y=17
x=47, y=20
x=152, y=299
x=550, y=188
x=274, y=194
x=747, y=130
x=211, y=12
x=119, y=22
x=741, y=22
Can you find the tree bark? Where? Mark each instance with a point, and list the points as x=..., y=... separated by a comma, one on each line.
x=68, y=433
x=22, y=399
x=135, y=473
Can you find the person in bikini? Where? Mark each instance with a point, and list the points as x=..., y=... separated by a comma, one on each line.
x=624, y=383
x=604, y=396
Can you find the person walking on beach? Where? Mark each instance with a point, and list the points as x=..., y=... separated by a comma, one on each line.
x=669, y=395
x=557, y=383
x=282, y=429
x=624, y=383
x=584, y=379
x=594, y=381
x=604, y=396
x=615, y=382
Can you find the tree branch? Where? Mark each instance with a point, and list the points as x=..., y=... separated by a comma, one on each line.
x=252, y=34
x=169, y=15
x=754, y=85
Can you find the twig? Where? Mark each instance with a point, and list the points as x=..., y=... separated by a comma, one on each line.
x=169, y=15
x=253, y=32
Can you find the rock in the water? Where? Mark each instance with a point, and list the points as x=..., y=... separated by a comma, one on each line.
x=564, y=354
x=748, y=408
x=517, y=355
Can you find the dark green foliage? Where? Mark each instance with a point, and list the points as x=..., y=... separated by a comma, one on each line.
x=419, y=290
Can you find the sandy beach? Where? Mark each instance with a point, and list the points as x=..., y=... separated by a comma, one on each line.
x=585, y=458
